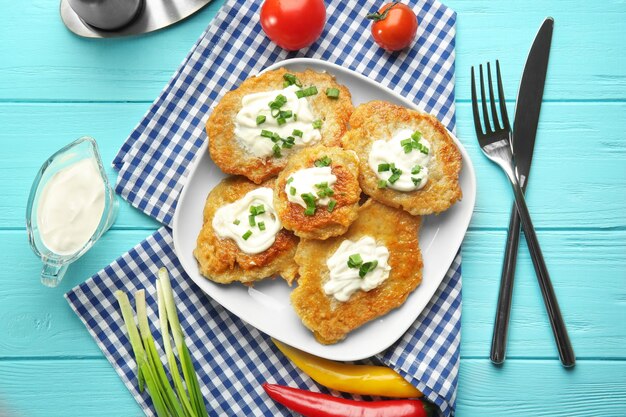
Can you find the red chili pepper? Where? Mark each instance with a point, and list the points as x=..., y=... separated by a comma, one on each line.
x=314, y=404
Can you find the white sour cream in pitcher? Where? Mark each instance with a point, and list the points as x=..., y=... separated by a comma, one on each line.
x=250, y=221
x=248, y=131
x=354, y=266
x=401, y=162
x=70, y=207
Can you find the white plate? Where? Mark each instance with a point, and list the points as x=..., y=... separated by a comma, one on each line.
x=266, y=305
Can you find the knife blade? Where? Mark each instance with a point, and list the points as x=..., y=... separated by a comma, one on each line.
x=527, y=108
x=529, y=98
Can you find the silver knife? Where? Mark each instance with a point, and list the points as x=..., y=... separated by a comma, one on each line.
x=527, y=109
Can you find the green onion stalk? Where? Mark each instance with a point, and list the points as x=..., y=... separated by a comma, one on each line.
x=184, y=399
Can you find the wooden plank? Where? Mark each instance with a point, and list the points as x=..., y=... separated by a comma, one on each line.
x=563, y=190
x=71, y=388
x=38, y=322
x=589, y=277
x=36, y=131
x=579, y=160
x=490, y=30
x=47, y=62
x=530, y=388
x=541, y=389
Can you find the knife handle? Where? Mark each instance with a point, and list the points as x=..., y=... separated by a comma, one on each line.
x=505, y=295
x=563, y=343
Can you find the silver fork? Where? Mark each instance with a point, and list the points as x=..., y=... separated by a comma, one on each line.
x=496, y=145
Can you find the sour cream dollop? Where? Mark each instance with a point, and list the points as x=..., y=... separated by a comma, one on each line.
x=305, y=180
x=413, y=165
x=344, y=279
x=248, y=132
x=253, y=233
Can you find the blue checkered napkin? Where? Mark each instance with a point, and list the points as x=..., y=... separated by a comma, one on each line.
x=154, y=160
x=232, y=358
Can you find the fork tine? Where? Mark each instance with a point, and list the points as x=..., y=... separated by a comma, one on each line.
x=492, y=100
x=505, y=117
x=484, y=101
x=479, y=131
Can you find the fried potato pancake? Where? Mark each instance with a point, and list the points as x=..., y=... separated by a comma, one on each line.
x=323, y=224
x=233, y=159
x=221, y=260
x=378, y=120
x=331, y=320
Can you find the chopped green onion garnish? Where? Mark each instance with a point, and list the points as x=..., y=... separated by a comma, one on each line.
x=281, y=121
x=261, y=225
x=416, y=181
x=236, y=222
x=297, y=133
x=260, y=119
x=395, y=176
x=246, y=235
x=276, y=150
x=324, y=190
x=292, y=191
x=260, y=209
x=291, y=79
x=267, y=133
x=382, y=184
x=367, y=267
x=406, y=142
x=317, y=124
x=416, y=136
x=309, y=211
x=309, y=199
x=332, y=93
x=423, y=149
x=355, y=261
x=331, y=205
x=416, y=169
x=306, y=92
x=295, y=117
x=278, y=102
x=324, y=161
x=383, y=167
x=286, y=114
x=251, y=220
x=289, y=142
x=289, y=180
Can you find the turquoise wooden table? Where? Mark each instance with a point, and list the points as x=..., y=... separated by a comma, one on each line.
x=55, y=87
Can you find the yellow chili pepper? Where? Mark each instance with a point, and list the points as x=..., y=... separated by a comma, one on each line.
x=355, y=379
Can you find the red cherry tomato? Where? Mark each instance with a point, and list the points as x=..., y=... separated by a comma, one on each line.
x=293, y=24
x=394, y=26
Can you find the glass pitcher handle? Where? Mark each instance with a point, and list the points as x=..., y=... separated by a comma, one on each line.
x=52, y=274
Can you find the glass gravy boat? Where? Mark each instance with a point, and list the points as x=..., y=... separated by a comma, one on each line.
x=54, y=264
